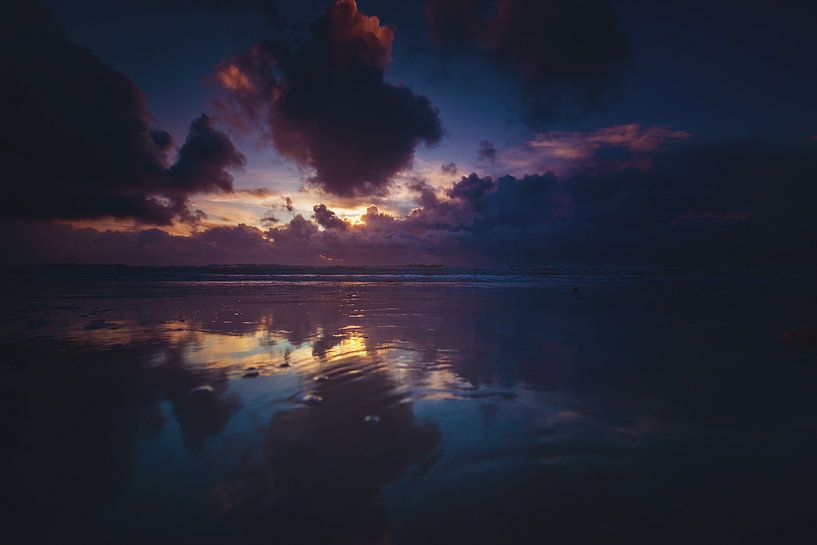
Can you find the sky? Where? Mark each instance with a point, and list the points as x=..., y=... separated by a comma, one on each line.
x=478, y=132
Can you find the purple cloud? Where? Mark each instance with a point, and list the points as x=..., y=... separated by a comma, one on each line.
x=324, y=103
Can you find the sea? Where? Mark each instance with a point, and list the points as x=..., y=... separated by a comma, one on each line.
x=415, y=405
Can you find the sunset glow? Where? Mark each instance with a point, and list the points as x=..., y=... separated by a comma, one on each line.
x=408, y=272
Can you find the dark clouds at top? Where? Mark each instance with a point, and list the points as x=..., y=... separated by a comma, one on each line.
x=77, y=141
x=323, y=102
x=567, y=54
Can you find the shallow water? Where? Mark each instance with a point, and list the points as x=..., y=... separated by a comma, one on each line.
x=577, y=409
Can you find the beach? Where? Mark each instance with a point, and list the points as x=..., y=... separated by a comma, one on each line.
x=407, y=407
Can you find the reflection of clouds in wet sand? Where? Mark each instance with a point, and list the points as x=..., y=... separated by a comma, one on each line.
x=365, y=425
x=427, y=405
x=320, y=474
x=77, y=416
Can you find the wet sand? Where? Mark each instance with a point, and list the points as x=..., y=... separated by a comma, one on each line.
x=416, y=413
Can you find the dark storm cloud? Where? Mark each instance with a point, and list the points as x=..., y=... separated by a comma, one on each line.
x=724, y=204
x=324, y=103
x=736, y=203
x=567, y=54
x=471, y=187
x=204, y=158
x=743, y=202
x=486, y=152
x=327, y=219
x=77, y=142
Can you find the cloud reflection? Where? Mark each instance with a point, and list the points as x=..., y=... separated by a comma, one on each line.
x=527, y=404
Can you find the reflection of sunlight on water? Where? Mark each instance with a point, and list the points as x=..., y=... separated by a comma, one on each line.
x=352, y=344
x=293, y=348
x=343, y=351
x=219, y=350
